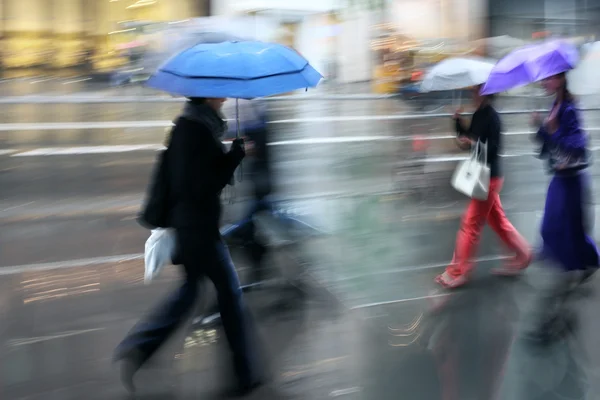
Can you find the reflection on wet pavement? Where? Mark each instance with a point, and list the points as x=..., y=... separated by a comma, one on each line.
x=60, y=326
x=58, y=336
x=470, y=345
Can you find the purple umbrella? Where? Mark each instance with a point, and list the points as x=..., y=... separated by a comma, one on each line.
x=531, y=64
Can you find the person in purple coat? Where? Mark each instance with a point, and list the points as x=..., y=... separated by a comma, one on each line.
x=567, y=221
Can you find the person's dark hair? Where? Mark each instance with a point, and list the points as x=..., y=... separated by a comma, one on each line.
x=488, y=97
x=565, y=93
x=197, y=100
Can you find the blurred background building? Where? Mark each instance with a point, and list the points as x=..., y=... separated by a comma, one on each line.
x=309, y=26
x=533, y=19
x=96, y=35
x=386, y=43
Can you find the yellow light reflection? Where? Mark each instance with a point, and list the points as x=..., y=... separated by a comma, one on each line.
x=57, y=296
x=405, y=344
x=409, y=331
x=59, y=283
x=142, y=3
x=201, y=338
x=399, y=332
x=121, y=31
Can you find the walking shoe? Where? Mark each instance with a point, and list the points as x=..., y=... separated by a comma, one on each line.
x=129, y=365
x=127, y=371
x=450, y=282
x=514, y=267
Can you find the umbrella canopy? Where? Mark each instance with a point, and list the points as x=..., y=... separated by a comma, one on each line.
x=457, y=73
x=242, y=70
x=583, y=80
x=174, y=41
x=531, y=64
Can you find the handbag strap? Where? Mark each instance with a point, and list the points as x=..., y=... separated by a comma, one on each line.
x=475, y=152
x=480, y=147
x=485, y=152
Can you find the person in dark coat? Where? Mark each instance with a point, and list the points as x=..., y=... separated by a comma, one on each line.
x=198, y=170
x=253, y=124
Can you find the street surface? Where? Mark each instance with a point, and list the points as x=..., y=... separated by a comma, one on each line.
x=374, y=326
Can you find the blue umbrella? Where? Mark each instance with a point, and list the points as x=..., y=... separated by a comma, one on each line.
x=180, y=41
x=243, y=70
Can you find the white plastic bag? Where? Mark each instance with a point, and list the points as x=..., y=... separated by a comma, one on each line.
x=159, y=251
x=472, y=176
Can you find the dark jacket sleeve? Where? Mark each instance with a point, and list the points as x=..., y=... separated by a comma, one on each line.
x=492, y=135
x=485, y=127
x=204, y=166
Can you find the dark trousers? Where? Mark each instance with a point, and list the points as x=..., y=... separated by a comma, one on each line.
x=201, y=256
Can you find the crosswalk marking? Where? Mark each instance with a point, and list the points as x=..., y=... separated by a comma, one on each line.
x=110, y=149
x=47, y=126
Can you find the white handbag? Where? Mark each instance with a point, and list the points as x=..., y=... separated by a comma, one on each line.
x=472, y=176
x=159, y=251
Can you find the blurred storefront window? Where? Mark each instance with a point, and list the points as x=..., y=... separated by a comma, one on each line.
x=67, y=37
x=411, y=35
x=537, y=19
x=308, y=26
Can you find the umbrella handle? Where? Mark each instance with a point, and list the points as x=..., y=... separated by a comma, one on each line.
x=241, y=174
x=237, y=135
x=237, y=118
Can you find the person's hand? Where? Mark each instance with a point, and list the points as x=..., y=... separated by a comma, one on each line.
x=237, y=147
x=250, y=148
x=457, y=113
x=464, y=143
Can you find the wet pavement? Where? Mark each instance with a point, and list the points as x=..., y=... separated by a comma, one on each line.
x=60, y=327
x=373, y=325
x=474, y=345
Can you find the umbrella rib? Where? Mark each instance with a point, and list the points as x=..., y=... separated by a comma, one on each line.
x=235, y=79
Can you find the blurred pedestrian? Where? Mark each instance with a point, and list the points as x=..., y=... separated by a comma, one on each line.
x=198, y=168
x=253, y=124
x=486, y=128
x=567, y=221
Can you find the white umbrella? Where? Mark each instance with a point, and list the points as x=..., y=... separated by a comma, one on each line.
x=457, y=73
x=583, y=80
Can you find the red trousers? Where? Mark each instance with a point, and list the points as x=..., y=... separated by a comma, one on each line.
x=478, y=213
